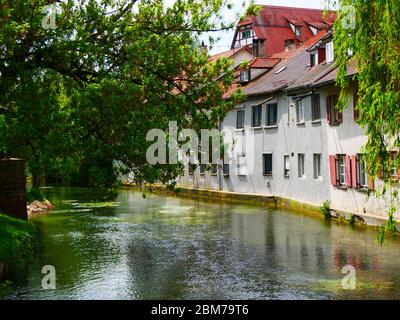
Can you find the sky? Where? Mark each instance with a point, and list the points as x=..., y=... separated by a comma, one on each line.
x=226, y=37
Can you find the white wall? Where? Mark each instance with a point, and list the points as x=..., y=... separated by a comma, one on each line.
x=289, y=138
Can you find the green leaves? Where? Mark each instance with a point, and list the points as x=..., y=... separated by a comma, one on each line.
x=375, y=45
x=82, y=96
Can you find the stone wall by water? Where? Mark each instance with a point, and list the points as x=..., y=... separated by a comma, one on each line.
x=13, y=188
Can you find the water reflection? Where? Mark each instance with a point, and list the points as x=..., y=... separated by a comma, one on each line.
x=171, y=248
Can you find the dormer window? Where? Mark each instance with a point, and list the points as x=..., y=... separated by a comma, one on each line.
x=246, y=34
x=245, y=76
x=298, y=32
x=290, y=45
x=330, y=55
x=314, y=59
x=314, y=30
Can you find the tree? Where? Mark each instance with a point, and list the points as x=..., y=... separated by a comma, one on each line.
x=374, y=43
x=85, y=92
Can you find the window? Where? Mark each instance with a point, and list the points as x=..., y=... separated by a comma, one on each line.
x=272, y=114
x=241, y=165
x=393, y=170
x=315, y=107
x=299, y=111
x=202, y=169
x=330, y=56
x=301, y=165
x=214, y=169
x=341, y=170
x=356, y=112
x=240, y=119
x=225, y=169
x=192, y=168
x=256, y=48
x=362, y=172
x=298, y=31
x=257, y=114
x=267, y=160
x=246, y=34
x=317, y=166
x=286, y=166
x=340, y=167
x=245, y=76
x=334, y=116
x=314, y=59
x=290, y=45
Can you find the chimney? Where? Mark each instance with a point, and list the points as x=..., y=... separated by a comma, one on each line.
x=203, y=48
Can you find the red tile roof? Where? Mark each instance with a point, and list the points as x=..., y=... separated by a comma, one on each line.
x=264, y=63
x=272, y=25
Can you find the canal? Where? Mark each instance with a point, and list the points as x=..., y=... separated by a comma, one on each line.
x=156, y=247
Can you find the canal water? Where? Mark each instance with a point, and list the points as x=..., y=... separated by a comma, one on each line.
x=156, y=247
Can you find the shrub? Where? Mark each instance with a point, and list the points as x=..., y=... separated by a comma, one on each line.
x=18, y=242
x=326, y=209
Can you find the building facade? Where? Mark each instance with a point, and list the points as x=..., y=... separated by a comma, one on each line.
x=289, y=139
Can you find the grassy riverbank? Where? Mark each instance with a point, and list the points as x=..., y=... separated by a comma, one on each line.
x=18, y=242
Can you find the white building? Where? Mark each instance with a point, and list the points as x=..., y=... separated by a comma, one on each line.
x=290, y=141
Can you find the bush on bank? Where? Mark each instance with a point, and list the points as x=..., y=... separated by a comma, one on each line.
x=18, y=242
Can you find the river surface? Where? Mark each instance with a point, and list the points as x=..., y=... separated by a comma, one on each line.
x=174, y=248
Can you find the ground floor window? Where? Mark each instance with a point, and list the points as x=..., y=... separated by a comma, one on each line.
x=317, y=166
x=267, y=161
x=214, y=169
x=241, y=164
x=286, y=166
x=225, y=169
x=301, y=160
x=202, y=169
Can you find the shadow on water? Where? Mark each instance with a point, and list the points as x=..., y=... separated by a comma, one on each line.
x=172, y=248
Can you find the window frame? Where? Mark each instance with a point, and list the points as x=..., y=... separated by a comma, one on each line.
x=286, y=166
x=259, y=124
x=301, y=170
x=362, y=173
x=317, y=163
x=339, y=174
x=300, y=102
x=245, y=76
x=333, y=114
x=316, y=97
x=268, y=156
x=268, y=121
x=243, y=118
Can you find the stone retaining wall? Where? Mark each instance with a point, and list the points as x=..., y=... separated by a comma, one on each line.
x=13, y=188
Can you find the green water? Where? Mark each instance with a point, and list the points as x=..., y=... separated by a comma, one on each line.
x=174, y=248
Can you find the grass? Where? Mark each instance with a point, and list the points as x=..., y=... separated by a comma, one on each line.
x=18, y=243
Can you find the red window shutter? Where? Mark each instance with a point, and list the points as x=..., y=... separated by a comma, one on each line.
x=348, y=171
x=328, y=109
x=354, y=161
x=371, y=183
x=332, y=170
x=321, y=55
x=335, y=105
